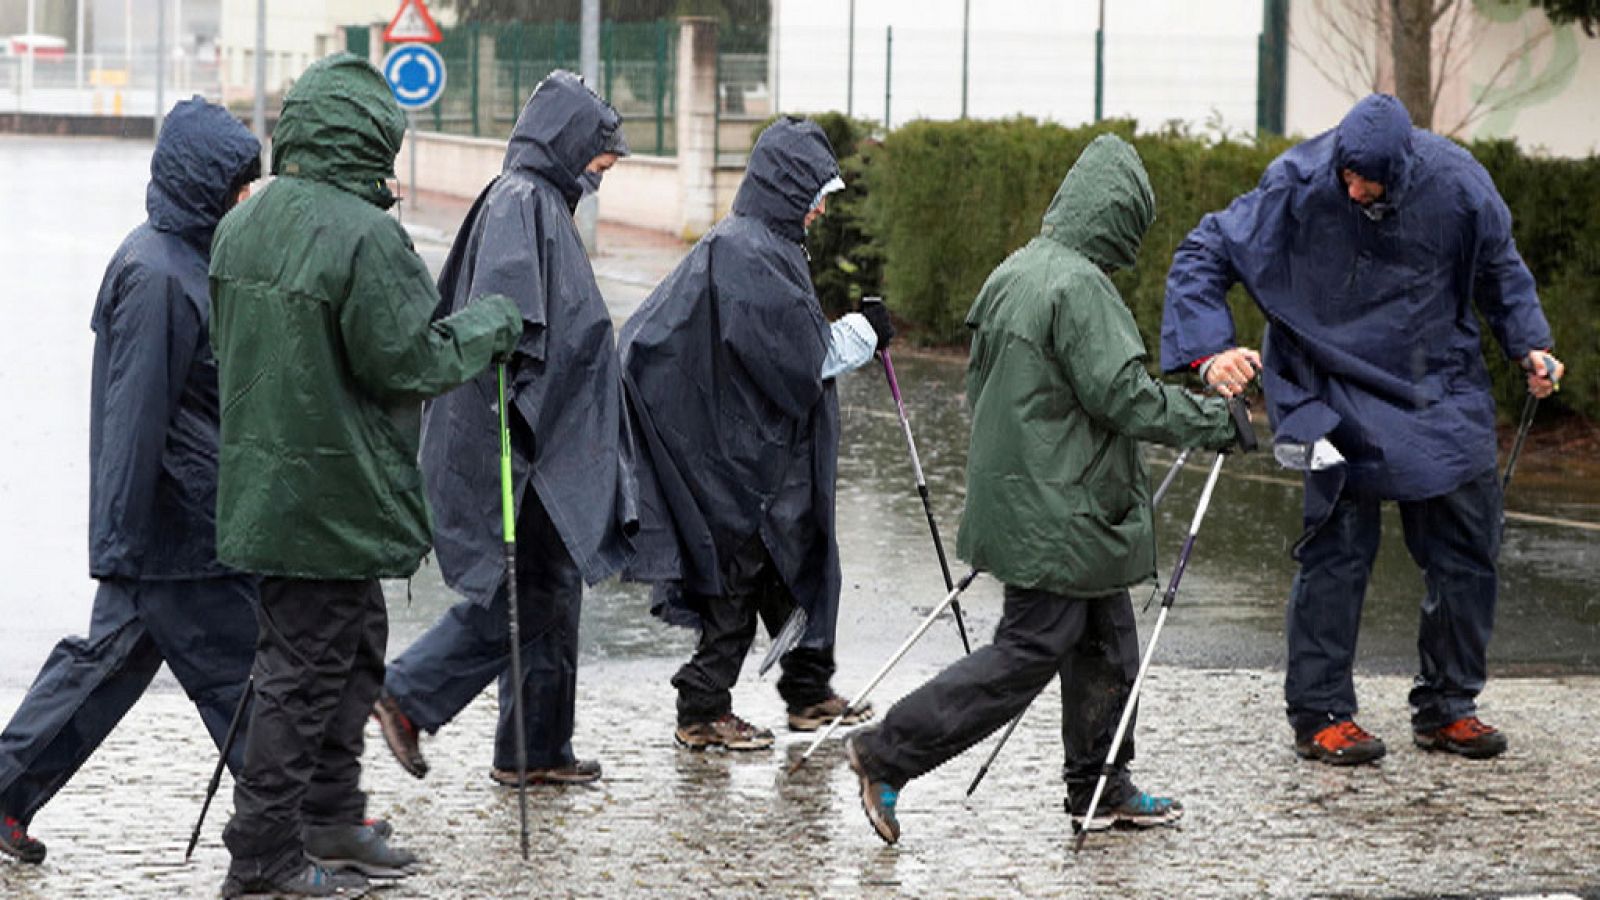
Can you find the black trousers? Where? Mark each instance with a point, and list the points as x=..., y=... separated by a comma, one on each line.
x=317, y=673
x=752, y=589
x=1091, y=644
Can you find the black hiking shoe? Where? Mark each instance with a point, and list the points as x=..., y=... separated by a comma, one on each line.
x=1140, y=811
x=14, y=841
x=729, y=732
x=311, y=881
x=1341, y=744
x=1468, y=737
x=357, y=848
x=579, y=771
x=400, y=734
x=815, y=716
x=878, y=798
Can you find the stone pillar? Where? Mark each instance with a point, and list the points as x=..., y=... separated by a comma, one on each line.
x=697, y=125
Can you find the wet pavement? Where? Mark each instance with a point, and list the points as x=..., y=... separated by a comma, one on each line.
x=670, y=822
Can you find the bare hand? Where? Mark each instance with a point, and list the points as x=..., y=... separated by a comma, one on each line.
x=1542, y=381
x=1232, y=370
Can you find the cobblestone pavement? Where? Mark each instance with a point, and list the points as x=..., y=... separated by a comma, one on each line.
x=669, y=822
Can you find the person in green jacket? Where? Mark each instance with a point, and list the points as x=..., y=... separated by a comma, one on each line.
x=1058, y=502
x=326, y=347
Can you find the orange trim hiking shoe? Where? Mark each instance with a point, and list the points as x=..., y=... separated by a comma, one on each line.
x=1341, y=744
x=1468, y=737
x=816, y=715
x=14, y=841
x=400, y=734
x=729, y=732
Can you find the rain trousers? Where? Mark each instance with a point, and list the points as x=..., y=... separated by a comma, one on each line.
x=153, y=422
x=1058, y=503
x=738, y=431
x=1373, y=343
x=327, y=345
x=571, y=450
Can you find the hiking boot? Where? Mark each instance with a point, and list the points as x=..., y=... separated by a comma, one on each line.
x=816, y=715
x=357, y=848
x=311, y=881
x=1140, y=810
x=878, y=798
x=400, y=734
x=1341, y=744
x=579, y=771
x=14, y=841
x=1468, y=737
x=380, y=827
x=729, y=732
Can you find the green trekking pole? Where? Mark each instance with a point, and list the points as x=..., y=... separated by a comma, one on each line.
x=508, y=517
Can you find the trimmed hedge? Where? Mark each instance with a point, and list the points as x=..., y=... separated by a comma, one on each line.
x=947, y=201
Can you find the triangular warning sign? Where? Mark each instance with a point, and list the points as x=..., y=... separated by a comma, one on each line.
x=412, y=23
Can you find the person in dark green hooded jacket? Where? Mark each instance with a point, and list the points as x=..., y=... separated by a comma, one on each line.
x=1058, y=503
x=326, y=346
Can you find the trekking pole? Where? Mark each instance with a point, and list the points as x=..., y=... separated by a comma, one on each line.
x=922, y=490
x=222, y=761
x=1529, y=408
x=508, y=520
x=856, y=701
x=1247, y=443
x=1155, y=501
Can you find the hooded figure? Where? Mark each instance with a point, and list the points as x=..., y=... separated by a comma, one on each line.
x=153, y=421
x=571, y=451
x=729, y=368
x=327, y=344
x=1058, y=504
x=1372, y=248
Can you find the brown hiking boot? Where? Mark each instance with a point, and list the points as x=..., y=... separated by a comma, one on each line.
x=1468, y=737
x=1341, y=744
x=579, y=771
x=729, y=732
x=400, y=734
x=819, y=714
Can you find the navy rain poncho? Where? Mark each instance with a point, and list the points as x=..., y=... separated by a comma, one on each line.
x=568, y=429
x=153, y=395
x=738, y=432
x=1372, y=340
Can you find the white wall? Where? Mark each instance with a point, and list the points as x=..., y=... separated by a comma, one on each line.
x=1165, y=59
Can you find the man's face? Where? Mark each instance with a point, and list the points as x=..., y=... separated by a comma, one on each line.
x=601, y=163
x=816, y=214
x=1361, y=190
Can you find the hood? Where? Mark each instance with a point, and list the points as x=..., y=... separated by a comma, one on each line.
x=1374, y=141
x=563, y=127
x=340, y=126
x=1104, y=205
x=201, y=153
x=789, y=164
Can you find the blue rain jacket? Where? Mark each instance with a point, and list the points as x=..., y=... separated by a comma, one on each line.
x=1372, y=339
x=738, y=431
x=570, y=438
x=153, y=396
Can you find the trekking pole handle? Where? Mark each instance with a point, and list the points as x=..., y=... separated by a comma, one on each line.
x=1246, y=433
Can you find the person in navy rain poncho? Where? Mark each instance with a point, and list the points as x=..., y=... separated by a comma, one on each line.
x=1372, y=248
x=570, y=452
x=729, y=367
x=153, y=431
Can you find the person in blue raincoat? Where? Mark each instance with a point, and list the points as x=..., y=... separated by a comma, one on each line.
x=1372, y=249
x=153, y=431
x=570, y=448
x=729, y=368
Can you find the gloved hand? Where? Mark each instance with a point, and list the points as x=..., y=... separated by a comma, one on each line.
x=878, y=317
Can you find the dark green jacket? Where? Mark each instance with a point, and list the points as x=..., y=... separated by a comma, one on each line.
x=1057, y=495
x=325, y=346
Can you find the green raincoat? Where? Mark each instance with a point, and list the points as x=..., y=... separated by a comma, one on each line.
x=326, y=349
x=1058, y=497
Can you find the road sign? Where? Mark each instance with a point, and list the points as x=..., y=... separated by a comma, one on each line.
x=412, y=23
x=415, y=74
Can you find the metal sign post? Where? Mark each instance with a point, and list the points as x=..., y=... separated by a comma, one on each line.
x=416, y=76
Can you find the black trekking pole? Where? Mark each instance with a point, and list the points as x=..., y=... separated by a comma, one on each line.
x=922, y=490
x=861, y=695
x=508, y=518
x=222, y=762
x=1530, y=407
x=1155, y=501
x=1247, y=442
